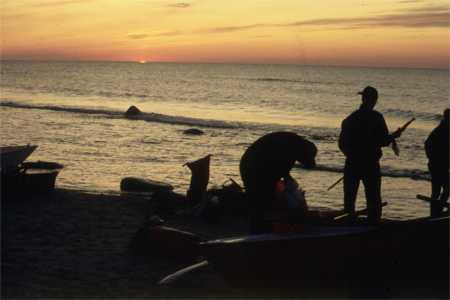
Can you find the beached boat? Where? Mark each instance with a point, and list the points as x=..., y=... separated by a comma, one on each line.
x=22, y=177
x=13, y=156
x=30, y=177
x=39, y=176
x=394, y=253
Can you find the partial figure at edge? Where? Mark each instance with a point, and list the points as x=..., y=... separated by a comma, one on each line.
x=437, y=151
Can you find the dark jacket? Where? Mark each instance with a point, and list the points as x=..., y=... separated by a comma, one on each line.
x=271, y=157
x=363, y=133
x=437, y=146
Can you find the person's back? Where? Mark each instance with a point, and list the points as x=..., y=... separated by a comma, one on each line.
x=363, y=134
x=273, y=155
x=264, y=163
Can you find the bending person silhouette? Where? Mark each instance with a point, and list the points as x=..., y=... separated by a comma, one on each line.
x=437, y=151
x=363, y=134
x=264, y=163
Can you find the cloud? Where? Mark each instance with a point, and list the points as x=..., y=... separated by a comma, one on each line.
x=410, y=19
x=432, y=16
x=168, y=33
x=140, y=36
x=137, y=36
x=418, y=17
x=431, y=8
x=180, y=5
x=236, y=28
x=410, y=1
x=436, y=19
x=61, y=2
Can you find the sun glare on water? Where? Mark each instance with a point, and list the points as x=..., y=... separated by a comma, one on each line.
x=142, y=61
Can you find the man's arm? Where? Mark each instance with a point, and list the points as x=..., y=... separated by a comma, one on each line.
x=385, y=137
x=430, y=143
x=343, y=139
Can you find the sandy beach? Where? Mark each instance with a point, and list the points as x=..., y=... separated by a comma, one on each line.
x=72, y=244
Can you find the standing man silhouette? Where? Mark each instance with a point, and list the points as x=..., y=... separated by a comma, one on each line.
x=437, y=150
x=363, y=134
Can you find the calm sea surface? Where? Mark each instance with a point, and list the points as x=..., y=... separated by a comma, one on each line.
x=74, y=112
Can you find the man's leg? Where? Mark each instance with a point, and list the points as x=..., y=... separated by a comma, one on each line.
x=259, y=200
x=372, y=186
x=351, y=184
x=435, y=207
x=445, y=190
x=259, y=196
x=443, y=197
x=445, y=194
x=439, y=182
x=442, y=177
x=435, y=187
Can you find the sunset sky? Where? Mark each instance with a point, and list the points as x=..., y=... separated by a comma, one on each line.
x=393, y=33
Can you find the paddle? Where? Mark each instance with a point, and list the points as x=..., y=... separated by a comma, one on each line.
x=334, y=184
x=357, y=213
x=436, y=205
x=393, y=144
x=174, y=276
x=431, y=200
x=401, y=129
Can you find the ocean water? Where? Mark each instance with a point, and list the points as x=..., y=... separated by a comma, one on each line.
x=74, y=112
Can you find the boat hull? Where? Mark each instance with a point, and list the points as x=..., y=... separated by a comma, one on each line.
x=399, y=253
x=32, y=177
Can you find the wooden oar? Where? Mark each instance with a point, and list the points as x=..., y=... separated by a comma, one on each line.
x=334, y=184
x=436, y=205
x=394, y=147
x=174, y=276
x=394, y=142
x=357, y=213
x=433, y=201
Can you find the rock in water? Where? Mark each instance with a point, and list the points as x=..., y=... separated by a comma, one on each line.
x=132, y=111
x=193, y=131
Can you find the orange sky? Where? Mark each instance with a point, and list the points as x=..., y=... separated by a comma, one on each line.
x=394, y=33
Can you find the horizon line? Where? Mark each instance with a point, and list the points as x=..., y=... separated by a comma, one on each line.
x=143, y=62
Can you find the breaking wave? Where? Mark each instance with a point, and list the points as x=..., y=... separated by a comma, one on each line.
x=407, y=114
x=271, y=79
x=414, y=174
x=316, y=134
x=149, y=117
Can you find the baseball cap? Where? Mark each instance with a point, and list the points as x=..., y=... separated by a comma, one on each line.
x=369, y=91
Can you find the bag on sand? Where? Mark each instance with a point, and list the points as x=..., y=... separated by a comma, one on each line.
x=199, y=179
x=294, y=195
x=291, y=200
